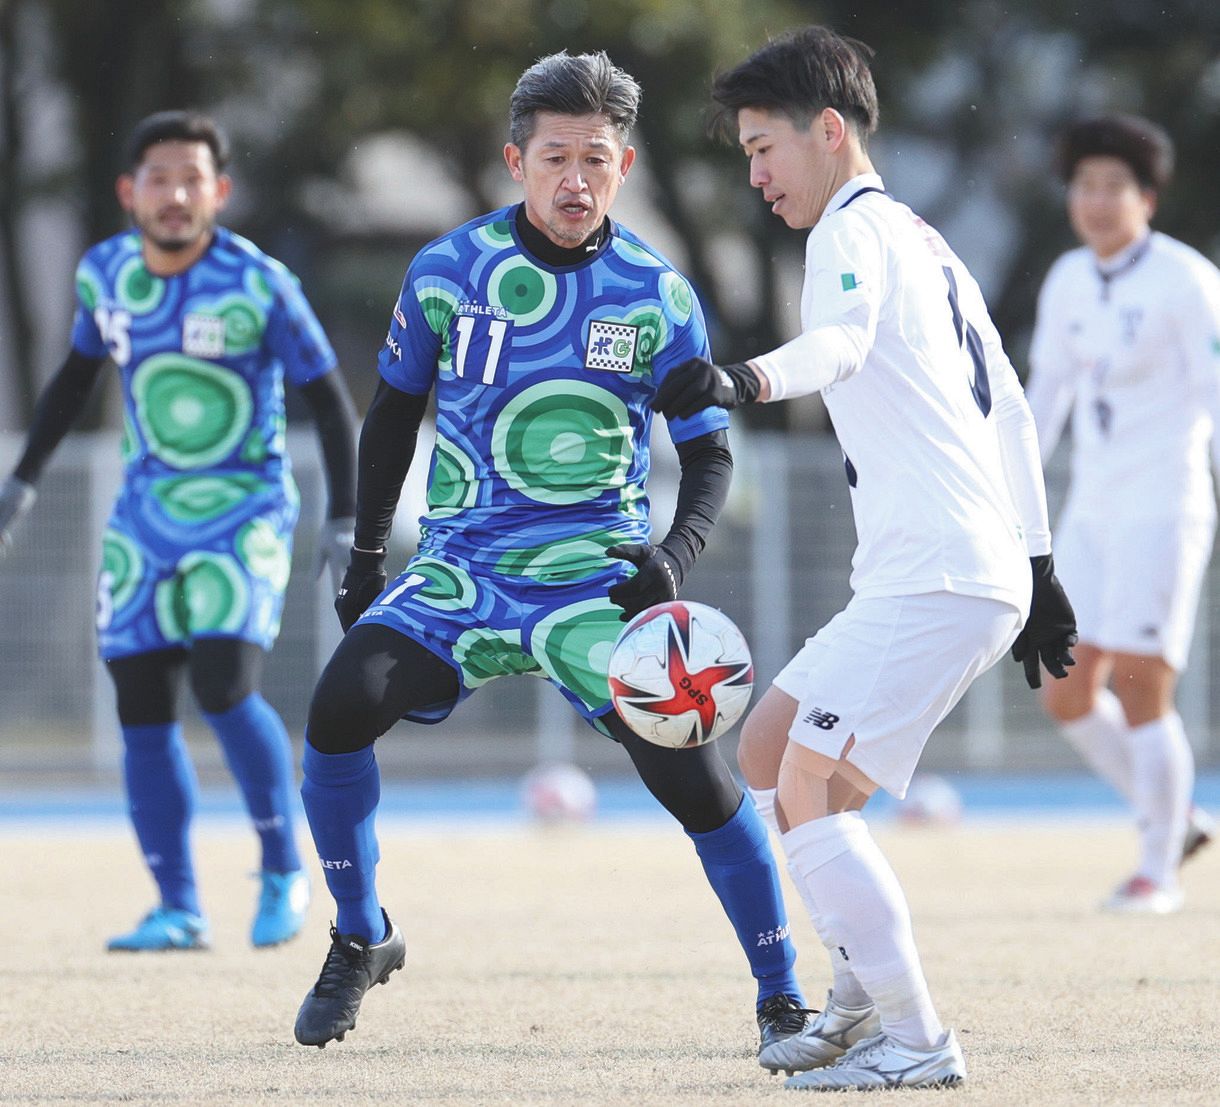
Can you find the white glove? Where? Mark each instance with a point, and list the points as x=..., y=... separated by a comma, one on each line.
x=16, y=498
x=335, y=542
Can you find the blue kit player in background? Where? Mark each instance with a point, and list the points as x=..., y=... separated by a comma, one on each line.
x=543, y=329
x=203, y=328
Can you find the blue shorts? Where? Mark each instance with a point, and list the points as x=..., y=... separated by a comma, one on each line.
x=203, y=556
x=486, y=626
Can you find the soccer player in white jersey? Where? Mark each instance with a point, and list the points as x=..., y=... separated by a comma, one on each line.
x=947, y=493
x=1128, y=340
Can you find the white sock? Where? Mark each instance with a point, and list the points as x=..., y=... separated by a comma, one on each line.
x=1103, y=739
x=764, y=804
x=843, y=872
x=1164, y=779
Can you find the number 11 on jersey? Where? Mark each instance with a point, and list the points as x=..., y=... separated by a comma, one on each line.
x=488, y=340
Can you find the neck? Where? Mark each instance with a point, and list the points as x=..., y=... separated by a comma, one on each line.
x=1114, y=251
x=546, y=250
x=169, y=263
x=854, y=163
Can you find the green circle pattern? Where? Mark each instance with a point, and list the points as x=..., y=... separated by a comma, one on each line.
x=526, y=292
x=88, y=288
x=265, y=553
x=191, y=414
x=202, y=499
x=245, y=321
x=208, y=594
x=678, y=297
x=563, y=445
x=138, y=290
x=485, y=654
x=452, y=488
x=653, y=332
x=559, y=562
x=437, y=305
x=498, y=235
x=123, y=561
x=448, y=589
x=573, y=647
x=635, y=255
x=259, y=287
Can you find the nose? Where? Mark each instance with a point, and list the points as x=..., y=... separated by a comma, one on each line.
x=573, y=180
x=758, y=174
x=178, y=193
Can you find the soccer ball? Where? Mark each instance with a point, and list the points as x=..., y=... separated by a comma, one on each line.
x=680, y=674
x=930, y=801
x=558, y=792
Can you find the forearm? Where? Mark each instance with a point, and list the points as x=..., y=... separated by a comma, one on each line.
x=810, y=362
x=335, y=417
x=58, y=408
x=707, y=470
x=387, y=447
x=1018, y=439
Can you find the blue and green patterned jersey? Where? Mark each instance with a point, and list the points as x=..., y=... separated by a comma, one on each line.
x=202, y=354
x=543, y=378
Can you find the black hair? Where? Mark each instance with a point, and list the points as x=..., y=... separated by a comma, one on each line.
x=584, y=84
x=800, y=73
x=177, y=126
x=1144, y=146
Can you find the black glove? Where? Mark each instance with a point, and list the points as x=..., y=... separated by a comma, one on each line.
x=657, y=580
x=697, y=383
x=1050, y=631
x=363, y=582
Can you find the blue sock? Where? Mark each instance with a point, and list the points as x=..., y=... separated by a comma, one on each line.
x=741, y=870
x=259, y=754
x=341, y=792
x=161, y=791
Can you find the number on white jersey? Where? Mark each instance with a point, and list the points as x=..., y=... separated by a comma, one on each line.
x=968, y=337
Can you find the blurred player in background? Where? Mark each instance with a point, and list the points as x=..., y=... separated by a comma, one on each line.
x=203, y=328
x=950, y=509
x=544, y=329
x=1128, y=340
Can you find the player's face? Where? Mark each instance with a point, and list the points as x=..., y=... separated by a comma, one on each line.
x=571, y=169
x=1107, y=206
x=796, y=169
x=174, y=195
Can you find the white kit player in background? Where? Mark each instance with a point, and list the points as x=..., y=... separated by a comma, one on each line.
x=950, y=510
x=1128, y=340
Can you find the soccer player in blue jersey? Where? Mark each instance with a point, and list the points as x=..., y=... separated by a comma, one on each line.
x=543, y=329
x=203, y=328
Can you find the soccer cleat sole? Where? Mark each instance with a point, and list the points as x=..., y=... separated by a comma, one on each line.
x=944, y=1082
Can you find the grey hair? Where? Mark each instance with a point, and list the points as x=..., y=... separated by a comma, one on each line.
x=584, y=84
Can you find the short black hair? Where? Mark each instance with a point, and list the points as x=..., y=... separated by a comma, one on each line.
x=1144, y=146
x=800, y=73
x=177, y=126
x=581, y=84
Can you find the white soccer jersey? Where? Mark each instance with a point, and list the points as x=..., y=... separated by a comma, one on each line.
x=1133, y=350
x=939, y=444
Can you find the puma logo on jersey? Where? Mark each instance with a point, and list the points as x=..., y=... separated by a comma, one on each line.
x=823, y=720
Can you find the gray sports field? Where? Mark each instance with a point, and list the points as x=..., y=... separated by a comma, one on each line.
x=591, y=966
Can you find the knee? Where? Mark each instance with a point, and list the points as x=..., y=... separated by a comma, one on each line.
x=218, y=696
x=341, y=719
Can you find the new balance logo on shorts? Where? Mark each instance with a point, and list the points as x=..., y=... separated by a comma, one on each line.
x=823, y=720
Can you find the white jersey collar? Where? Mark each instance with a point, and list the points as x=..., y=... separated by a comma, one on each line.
x=863, y=181
x=1125, y=258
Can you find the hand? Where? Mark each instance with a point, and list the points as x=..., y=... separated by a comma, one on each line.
x=363, y=582
x=335, y=541
x=1050, y=631
x=697, y=383
x=657, y=579
x=16, y=499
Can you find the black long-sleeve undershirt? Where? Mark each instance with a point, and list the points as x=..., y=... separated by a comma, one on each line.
x=334, y=416
x=387, y=447
x=58, y=408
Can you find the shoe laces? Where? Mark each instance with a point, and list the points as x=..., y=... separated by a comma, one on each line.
x=340, y=960
x=784, y=1013
x=864, y=1050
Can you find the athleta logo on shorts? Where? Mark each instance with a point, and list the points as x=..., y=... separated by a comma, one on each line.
x=611, y=346
x=203, y=335
x=823, y=720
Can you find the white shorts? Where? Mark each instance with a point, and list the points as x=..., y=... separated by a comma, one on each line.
x=886, y=671
x=1134, y=584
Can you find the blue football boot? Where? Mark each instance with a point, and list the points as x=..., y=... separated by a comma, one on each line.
x=281, y=908
x=164, y=928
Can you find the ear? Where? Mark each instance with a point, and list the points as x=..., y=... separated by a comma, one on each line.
x=124, y=188
x=625, y=164
x=1150, y=199
x=224, y=189
x=834, y=128
x=512, y=158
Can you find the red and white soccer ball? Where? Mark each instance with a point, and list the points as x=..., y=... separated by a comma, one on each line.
x=680, y=674
x=558, y=792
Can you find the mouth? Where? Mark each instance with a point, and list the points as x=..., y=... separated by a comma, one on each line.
x=575, y=209
x=774, y=199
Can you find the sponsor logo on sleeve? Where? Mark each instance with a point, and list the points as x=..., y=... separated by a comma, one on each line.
x=611, y=346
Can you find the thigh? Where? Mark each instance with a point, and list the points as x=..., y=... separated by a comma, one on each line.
x=764, y=736
x=876, y=680
x=146, y=686
x=1074, y=695
x=375, y=677
x=224, y=671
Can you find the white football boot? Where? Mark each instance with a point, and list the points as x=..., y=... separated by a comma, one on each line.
x=881, y=1062
x=1141, y=896
x=825, y=1038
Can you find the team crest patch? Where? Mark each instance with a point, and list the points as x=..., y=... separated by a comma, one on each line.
x=203, y=335
x=611, y=346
